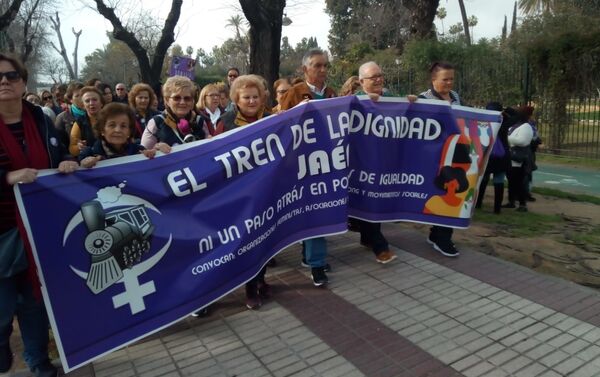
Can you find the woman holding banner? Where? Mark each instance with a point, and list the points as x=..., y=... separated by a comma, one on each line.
x=248, y=94
x=179, y=123
x=28, y=142
x=442, y=83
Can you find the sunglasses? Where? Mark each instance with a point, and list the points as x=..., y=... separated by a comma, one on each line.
x=232, y=76
x=179, y=98
x=46, y=98
x=11, y=76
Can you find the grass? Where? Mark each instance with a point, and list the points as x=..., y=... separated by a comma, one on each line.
x=519, y=224
x=567, y=195
x=587, y=115
x=568, y=161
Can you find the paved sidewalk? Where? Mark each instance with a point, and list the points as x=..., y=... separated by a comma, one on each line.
x=421, y=315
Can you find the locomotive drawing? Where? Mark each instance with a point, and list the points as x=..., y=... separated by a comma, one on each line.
x=116, y=241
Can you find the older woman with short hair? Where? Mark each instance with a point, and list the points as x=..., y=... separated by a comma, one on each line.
x=141, y=98
x=179, y=123
x=22, y=124
x=248, y=95
x=209, y=107
x=83, y=132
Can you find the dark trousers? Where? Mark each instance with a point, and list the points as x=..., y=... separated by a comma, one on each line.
x=518, y=185
x=260, y=278
x=370, y=235
x=440, y=233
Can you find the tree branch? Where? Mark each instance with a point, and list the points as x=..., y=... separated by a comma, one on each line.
x=10, y=14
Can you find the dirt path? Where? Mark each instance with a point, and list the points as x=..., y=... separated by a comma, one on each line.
x=569, y=249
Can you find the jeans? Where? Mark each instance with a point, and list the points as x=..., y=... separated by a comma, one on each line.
x=315, y=250
x=16, y=298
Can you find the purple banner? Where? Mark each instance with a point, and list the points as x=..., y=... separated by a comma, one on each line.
x=183, y=66
x=134, y=245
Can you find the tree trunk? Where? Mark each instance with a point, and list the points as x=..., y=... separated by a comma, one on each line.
x=10, y=15
x=422, y=14
x=265, y=18
x=463, y=13
x=150, y=71
x=62, y=51
x=75, y=60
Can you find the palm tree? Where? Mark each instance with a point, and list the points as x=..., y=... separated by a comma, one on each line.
x=535, y=6
x=236, y=23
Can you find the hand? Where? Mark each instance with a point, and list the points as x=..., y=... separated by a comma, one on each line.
x=26, y=175
x=67, y=167
x=149, y=153
x=163, y=147
x=81, y=144
x=412, y=98
x=90, y=162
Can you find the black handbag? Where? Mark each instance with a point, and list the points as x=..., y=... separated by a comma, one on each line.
x=519, y=154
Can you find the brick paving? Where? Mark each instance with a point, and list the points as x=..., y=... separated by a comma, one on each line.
x=421, y=315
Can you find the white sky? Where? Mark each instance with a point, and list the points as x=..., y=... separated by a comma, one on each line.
x=202, y=22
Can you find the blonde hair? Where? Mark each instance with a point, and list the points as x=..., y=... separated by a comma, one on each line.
x=350, y=86
x=246, y=81
x=177, y=83
x=204, y=92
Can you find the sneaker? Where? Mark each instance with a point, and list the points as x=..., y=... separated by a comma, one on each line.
x=201, y=313
x=522, y=209
x=385, y=256
x=446, y=247
x=305, y=264
x=253, y=303
x=6, y=359
x=531, y=199
x=319, y=277
x=264, y=290
x=509, y=205
x=45, y=369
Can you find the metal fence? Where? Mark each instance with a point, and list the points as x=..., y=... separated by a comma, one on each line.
x=575, y=133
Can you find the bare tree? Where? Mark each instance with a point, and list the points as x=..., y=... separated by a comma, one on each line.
x=265, y=17
x=73, y=72
x=422, y=14
x=150, y=70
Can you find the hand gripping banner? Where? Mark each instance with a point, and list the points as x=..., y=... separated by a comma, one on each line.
x=134, y=245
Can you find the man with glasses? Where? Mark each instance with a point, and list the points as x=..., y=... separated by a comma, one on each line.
x=315, y=65
x=371, y=80
x=232, y=74
x=121, y=95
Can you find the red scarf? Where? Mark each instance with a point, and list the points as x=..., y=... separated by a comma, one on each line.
x=36, y=157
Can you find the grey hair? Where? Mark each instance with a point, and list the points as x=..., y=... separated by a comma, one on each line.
x=310, y=53
x=364, y=67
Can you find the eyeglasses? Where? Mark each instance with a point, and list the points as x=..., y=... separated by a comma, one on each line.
x=46, y=98
x=179, y=98
x=11, y=76
x=374, y=77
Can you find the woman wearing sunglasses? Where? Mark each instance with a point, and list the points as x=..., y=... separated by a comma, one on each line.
x=28, y=143
x=178, y=123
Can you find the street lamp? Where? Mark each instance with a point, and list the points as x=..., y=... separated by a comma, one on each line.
x=286, y=21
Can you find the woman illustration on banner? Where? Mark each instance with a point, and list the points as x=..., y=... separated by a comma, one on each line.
x=458, y=177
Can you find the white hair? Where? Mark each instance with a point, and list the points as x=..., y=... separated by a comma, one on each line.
x=363, y=68
x=309, y=55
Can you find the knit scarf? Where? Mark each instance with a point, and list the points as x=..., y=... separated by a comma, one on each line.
x=243, y=120
x=171, y=119
x=76, y=111
x=35, y=157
